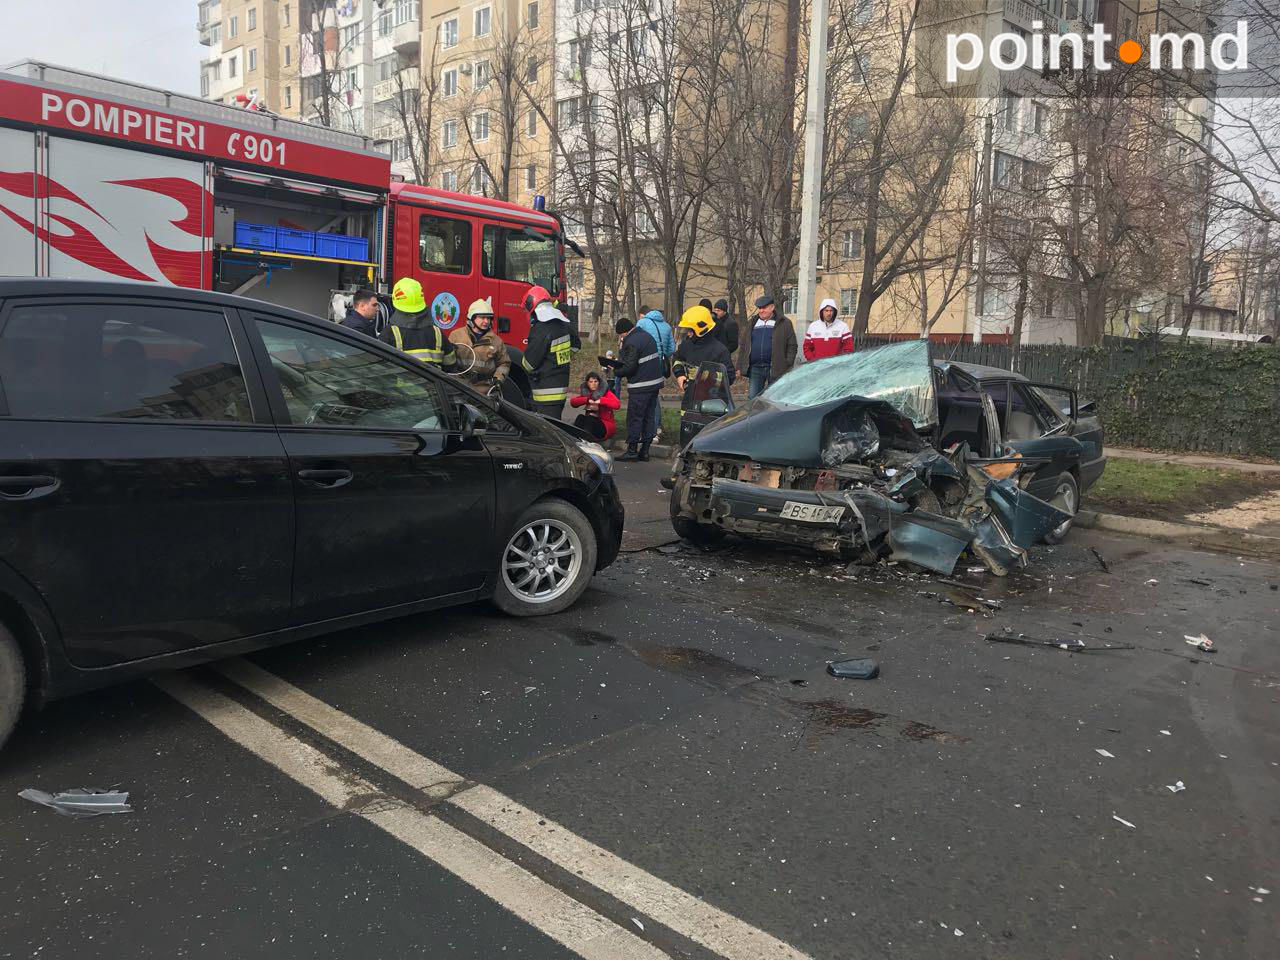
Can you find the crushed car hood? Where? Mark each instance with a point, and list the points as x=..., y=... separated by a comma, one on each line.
x=797, y=436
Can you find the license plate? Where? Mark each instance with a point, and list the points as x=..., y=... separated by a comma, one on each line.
x=811, y=512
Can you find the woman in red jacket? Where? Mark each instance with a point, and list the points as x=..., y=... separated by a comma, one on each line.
x=600, y=402
x=828, y=336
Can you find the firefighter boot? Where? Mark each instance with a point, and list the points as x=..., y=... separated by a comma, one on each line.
x=630, y=455
x=644, y=452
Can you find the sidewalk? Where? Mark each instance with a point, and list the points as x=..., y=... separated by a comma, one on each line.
x=1194, y=460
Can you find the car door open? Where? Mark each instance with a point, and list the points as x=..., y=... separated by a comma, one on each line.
x=394, y=503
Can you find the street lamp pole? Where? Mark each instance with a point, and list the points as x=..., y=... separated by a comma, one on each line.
x=815, y=118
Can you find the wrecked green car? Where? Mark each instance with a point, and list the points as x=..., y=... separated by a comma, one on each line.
x=885, y=454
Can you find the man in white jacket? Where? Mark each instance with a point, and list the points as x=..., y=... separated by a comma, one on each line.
x=828, y=336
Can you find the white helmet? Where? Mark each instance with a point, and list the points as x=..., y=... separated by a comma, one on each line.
x=479, y=307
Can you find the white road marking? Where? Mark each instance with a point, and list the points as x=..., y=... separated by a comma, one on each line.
x=560, y=917
x=682, y=912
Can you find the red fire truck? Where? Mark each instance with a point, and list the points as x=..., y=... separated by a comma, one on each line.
x=109, y=180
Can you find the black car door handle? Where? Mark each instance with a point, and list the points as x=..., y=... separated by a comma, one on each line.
x=328, y=479
x=27, y=488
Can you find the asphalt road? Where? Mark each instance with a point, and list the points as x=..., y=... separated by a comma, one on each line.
x=667, y=769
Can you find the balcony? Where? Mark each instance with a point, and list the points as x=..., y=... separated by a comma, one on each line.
x=209, y=22
x=408, y=80
x=406, y=38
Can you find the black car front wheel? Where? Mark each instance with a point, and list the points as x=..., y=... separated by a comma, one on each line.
x=690, y=529
x=1066, y=497
x=547, y=562
x=13, y=683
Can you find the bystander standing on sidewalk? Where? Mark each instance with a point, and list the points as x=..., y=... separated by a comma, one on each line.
x=769, y=349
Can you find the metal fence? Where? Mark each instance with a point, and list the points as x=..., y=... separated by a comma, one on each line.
x=1162, y=395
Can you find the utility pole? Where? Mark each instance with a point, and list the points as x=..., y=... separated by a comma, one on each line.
x=815, y=118
x=985, y=237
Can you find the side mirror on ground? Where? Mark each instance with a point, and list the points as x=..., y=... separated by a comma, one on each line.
x=713, y=408
x=473, y=421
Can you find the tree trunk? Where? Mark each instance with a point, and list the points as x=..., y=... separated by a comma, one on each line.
x=1019, y=312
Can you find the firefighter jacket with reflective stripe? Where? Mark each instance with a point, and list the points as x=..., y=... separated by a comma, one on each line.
x=492, y=360
x=551, y=345
x=416, y=335
x=692, y=353
x=640, y=362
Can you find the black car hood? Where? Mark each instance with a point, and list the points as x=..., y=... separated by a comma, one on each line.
x=794, y=436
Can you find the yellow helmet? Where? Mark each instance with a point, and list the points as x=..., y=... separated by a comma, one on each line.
x=406, y=296
x=698, y=319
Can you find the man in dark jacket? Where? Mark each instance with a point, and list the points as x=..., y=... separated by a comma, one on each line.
x=412, y=330
x=547, y=358
x=641, y=364
x=362, y=315
x=726, y=330
x=768, y=347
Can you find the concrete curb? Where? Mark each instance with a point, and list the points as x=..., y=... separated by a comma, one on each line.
x=1211, y=538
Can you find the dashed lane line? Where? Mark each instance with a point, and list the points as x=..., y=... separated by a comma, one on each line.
x=681, y=912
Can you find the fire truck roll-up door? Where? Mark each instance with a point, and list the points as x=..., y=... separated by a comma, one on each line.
x=302, y=279
x=93, y=211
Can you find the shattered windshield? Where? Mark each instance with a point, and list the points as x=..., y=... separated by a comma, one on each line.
x=899, y=374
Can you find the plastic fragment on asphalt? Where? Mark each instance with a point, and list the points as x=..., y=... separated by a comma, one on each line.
x=81, y=801
x=1262, y=890
x=861, y=669
x=1151, y=581
x=1165, y=733
x=1175, y=787
x=530, y=689
x=958, y=932
x=1201, y=642
x=1124, y=821
x=637, y=923
x=1103, y=753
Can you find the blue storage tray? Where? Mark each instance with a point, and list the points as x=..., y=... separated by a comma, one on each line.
x=255, y=235
x=342, y=247
x=295, y=241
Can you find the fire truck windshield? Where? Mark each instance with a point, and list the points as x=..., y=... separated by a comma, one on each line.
x=522, y=254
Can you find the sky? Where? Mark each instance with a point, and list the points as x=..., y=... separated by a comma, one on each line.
x=145, y=41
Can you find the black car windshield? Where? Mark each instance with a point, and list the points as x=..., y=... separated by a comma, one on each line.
x=900, y=374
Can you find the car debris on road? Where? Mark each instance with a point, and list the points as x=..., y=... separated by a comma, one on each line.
x=81, y=801
x=859, y=669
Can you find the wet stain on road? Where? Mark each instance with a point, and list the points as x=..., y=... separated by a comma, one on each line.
x=696, y=663
x=588, y=638
x=825, y=718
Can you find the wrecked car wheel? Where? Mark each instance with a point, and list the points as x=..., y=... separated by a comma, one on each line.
x=12, y=683
x=1066, y=497
x=547, y=562
x=695, y=532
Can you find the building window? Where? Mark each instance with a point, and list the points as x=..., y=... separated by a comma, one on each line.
x=1005, y=171
x=215, y=70
x=480, y=78
x=579, y=6
x=480, y=125
x=449, y=181
x=288, y=56
x=449, y=33
x=384, y=23
x=531, y=70
x=531, y=124
x=849, y=301
x=1010, y=104
x=1039, y=118
x=204, y=84
x=352, y=78
x=253, y=18
x=233, y=27
x=789, y=300
x=215, y=34
x=531, y=177
x=347, y=36
x=231, y=67
x=449, y=133
x=852, y=246
x=253, y=59
x=580, y=53
x=531, y=16
x=483, y=21
x=450, y=84
x=286, y=15
x=567, y=112
x=288, y=96
x=478, y=180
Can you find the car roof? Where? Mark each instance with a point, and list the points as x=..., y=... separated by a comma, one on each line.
x=54, y=286
x=978, y=371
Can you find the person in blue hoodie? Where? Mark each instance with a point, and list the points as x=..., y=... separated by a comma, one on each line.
x=655, y=324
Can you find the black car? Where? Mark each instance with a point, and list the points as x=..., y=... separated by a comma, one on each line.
x=883, y=453
x=187, y=475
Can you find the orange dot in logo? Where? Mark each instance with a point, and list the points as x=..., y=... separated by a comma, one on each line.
x=1130, y=51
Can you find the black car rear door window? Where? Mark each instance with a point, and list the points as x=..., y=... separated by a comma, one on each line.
x=90, y=361
x=328, y=381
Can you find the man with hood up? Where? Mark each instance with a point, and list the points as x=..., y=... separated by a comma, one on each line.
x=655, y=324
x=828, y=336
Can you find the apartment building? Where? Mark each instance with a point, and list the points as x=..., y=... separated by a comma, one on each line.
x=489, y=68
x=253, y=49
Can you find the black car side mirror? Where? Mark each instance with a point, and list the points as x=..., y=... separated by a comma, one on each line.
x=713, y=408
x=473, y=421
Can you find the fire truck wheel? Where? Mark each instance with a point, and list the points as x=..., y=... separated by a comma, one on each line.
x=547, y=562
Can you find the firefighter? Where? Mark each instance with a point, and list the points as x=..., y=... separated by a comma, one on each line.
x=552, y=341
x=492, y=363
x=699, y=347
x=641, y=364
x=412, y=330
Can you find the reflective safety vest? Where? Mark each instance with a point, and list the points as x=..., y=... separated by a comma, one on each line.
x=650, y=373
x=428, y=354
x=547, y=360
